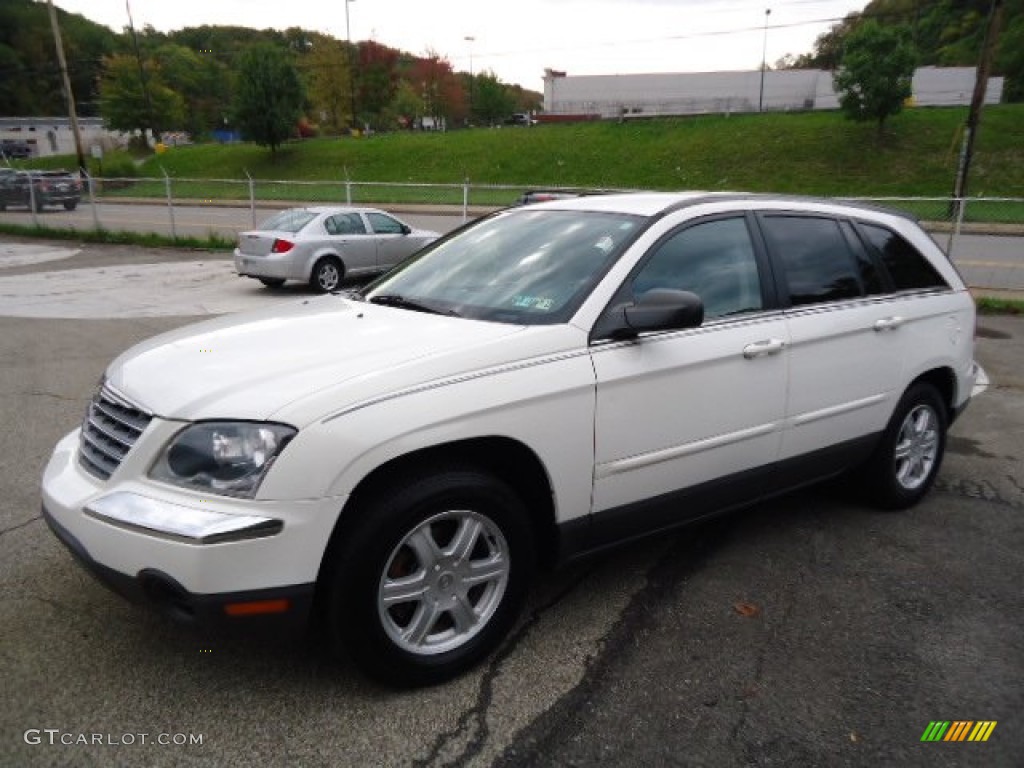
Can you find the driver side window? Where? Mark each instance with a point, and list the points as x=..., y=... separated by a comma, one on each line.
x=714, y=259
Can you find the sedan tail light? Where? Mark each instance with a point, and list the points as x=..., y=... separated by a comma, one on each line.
x=281, y=246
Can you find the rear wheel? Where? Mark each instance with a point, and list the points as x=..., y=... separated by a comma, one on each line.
x=432, y=577
x=271, y=282
x=327, y=274
x=70, y=205
x=908, y=458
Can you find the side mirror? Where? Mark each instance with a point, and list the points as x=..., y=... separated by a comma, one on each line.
x=661, y=309
x=406, y=229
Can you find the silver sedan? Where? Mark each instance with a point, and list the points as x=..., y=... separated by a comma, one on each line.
x=323, y=245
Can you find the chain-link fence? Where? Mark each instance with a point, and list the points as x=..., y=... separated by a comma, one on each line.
x=243, y=203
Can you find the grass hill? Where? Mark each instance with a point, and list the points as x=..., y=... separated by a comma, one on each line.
x=814, y=153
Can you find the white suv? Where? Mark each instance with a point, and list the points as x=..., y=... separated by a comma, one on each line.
x=547, y=382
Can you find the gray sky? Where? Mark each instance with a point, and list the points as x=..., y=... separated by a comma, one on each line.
x=518, y=39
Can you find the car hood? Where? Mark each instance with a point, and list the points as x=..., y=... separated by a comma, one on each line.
x=297, y=362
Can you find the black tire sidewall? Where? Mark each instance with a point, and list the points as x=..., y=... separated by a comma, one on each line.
x=353, y=618
x=880, y=475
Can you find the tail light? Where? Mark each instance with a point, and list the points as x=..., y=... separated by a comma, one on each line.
x=281, y=246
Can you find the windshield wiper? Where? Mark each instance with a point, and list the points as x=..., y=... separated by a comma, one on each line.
x=397, y=300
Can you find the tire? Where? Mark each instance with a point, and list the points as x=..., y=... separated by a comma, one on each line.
x=70, y=205
x=39, y=205
x=432, y=576
x=271, y=282
x=907, y=460
x=327, y=274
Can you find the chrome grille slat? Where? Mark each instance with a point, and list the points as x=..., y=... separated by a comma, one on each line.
x=109, y=431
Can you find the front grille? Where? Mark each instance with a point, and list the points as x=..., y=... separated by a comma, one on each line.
x=109, y=431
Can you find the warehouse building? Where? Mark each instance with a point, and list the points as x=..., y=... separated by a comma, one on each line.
x=694, y=93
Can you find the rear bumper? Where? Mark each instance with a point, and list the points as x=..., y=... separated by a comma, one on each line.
x=274, y=266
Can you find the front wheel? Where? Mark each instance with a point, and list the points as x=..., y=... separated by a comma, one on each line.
x=433, y=576
x=908, y=458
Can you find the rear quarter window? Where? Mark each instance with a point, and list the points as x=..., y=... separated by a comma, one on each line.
x=908, y=267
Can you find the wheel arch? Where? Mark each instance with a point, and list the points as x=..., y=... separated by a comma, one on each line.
x=944, y=380
x=325, y=253
x=508, y=459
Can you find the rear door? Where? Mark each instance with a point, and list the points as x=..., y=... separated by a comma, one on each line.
x=846, y=355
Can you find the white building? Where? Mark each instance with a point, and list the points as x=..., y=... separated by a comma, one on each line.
x=693, y=93
x=53, y=135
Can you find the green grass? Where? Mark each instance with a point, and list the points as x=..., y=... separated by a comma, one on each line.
x=988, y=305
x=212, y=242
x=813, y=153
x=818, y=153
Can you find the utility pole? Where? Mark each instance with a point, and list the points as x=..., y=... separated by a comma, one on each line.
x=68, y=94
x=995, y=17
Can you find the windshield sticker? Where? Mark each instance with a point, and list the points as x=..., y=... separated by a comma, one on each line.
x=532, y=302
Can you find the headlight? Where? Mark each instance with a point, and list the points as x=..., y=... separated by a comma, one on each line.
x=225, y=457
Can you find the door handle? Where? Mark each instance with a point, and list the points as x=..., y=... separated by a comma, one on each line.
x=889, y=323
x=762, y=348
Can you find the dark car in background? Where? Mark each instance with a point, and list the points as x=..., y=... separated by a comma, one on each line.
x=39, y=189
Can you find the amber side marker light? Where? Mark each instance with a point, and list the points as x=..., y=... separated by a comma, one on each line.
x=257, y=607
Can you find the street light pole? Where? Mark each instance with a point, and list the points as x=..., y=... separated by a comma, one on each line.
x=470, y=39
x=764, y=59
x=351, y=64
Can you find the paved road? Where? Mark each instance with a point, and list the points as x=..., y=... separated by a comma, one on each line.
x=806, y=632
x=989, y=262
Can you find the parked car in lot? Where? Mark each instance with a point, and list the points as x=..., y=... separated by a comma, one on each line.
x=545, y=383
x=324, y=245
x=41, y=188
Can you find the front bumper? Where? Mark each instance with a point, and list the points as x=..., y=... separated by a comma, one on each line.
x=201, y=576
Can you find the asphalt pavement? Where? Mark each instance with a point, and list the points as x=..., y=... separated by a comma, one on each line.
x=812, y=631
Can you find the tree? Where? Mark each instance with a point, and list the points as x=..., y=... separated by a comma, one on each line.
x=377, y=80
x=326, y=66
x=268, y=95
x=125, y=105
x=874, y=79
x=202, y=82
x=492, y=102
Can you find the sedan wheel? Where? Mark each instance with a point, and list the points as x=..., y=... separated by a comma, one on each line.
x=327, y=274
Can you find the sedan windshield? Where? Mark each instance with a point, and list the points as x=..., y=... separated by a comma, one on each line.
x=522, y=266
x=291, y=220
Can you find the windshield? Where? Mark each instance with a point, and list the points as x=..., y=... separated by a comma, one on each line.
x=291, y=220
x=521, y=266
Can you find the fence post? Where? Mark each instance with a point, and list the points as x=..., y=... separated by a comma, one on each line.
x=252, y=198
x=32, y=198
x=348, y=188
x=465, y=200
x=958, y=205
x=92, y=202
x=170, y=203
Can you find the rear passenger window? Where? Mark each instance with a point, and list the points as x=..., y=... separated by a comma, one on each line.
x=908, y=268
x=816, y=259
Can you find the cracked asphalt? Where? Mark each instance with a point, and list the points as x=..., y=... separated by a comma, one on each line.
x=811, y=631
